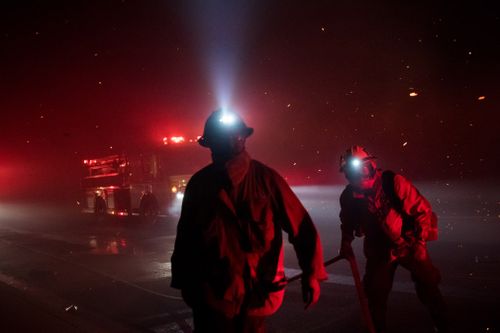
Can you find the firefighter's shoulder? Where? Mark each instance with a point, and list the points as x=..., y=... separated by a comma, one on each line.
x=347, y=194
x=201, y=176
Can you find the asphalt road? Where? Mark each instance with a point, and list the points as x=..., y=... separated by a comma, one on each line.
x=63, y=272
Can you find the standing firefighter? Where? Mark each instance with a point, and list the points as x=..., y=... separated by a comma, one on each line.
x=228, y=256
x=396, y=221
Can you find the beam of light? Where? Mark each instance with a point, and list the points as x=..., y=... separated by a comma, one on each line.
x=221, y=29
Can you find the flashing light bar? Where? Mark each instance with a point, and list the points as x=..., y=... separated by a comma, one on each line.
x=178, y=140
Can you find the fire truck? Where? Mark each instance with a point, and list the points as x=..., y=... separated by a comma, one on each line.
x=148, y=182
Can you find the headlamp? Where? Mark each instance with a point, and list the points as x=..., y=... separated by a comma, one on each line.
x=356, y=163
x=227, y=119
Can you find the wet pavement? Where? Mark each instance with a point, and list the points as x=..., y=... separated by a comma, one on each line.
x=82, y=273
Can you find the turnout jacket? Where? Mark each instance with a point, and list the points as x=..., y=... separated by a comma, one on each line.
x=384, y=222
x=229, y=247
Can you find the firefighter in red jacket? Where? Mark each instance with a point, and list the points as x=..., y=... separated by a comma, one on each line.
x=228, y=255
x=395, y=221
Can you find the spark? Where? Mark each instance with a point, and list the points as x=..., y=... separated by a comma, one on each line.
x=481, y=98
x=413, y=94
x=405, y=143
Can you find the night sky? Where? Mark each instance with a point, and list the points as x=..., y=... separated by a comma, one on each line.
x=416, y=83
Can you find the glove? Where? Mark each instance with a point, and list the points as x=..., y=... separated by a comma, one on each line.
x=401, y=249
x=419, y=251
x=310, y=291
x=346, y=250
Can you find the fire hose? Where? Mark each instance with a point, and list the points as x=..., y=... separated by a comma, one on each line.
x=363, y=301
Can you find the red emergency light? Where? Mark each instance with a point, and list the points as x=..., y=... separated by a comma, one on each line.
x=177, y=139
x=89, y=162
x=173, y=140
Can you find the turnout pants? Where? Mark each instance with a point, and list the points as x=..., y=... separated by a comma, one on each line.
x=207, y=320
x=378, y=280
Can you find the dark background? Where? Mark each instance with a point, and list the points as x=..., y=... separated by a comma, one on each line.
x=79, y=79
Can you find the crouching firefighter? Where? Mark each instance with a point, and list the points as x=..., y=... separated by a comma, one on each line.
x=228, y=255
x=396, y=221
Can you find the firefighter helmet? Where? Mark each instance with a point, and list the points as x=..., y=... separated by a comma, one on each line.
x=222, y=123
x=354, y=158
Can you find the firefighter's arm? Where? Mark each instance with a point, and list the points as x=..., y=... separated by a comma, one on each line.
x=183, y=257
x=304, y=237
x=415, y=205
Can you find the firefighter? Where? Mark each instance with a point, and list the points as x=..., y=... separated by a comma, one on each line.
x=228, y=255
x=395, y=221
x=99, y=204
x=148, y=203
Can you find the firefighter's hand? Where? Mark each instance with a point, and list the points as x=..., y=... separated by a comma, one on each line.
x=419, y=251
x=346, y=250
x=401, y=249
x=310, y=291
